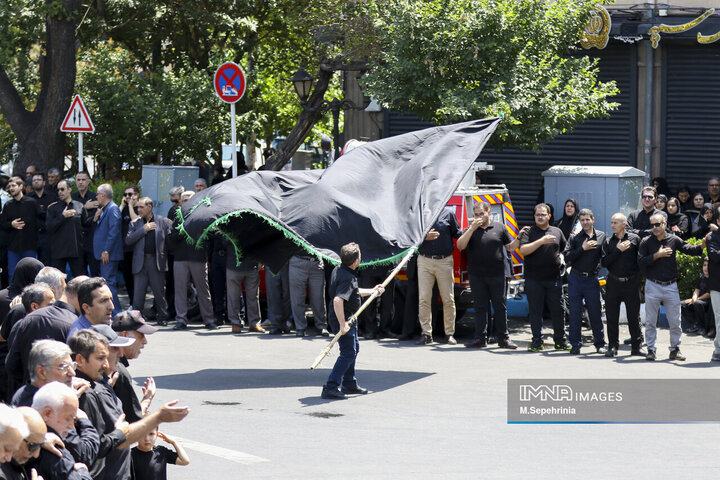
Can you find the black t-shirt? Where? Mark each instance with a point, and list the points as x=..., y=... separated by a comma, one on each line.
x=486, y=251
x=152, y=465
x=343, y=284
x=543, y=263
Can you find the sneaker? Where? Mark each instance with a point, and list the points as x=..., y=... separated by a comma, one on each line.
x=601, y=350
x=425, y=339
x=611, y=352
x=650, y=355
x=536, y=346
x=324, y=332
x=507, y=343
x=451, y=340
x=676, y=355
x=563, y=346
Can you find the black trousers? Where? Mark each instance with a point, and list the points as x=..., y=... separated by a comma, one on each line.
x=410, y=320
x=368, y=278
x=695, y=313
x=541, y=291
x=489, y=289
x=617, y=292
x=76, y=265
x=126, y=270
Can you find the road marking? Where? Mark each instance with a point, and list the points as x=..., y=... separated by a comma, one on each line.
x=232, y=455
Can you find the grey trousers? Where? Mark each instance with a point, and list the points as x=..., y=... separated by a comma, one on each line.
x=156, y=278
x=307, y=275
x=234, y=283
x=669, y=296
x=277, y=291
x=184, y=270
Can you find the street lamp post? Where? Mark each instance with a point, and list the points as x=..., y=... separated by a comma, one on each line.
x=302, y=81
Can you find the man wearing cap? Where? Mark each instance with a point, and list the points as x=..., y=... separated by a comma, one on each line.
x=147, y=235
x=132, y=325
x=96, y=303
x=92, y=354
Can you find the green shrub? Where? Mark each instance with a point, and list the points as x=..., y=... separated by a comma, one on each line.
x=689, y=269
x=118, y=187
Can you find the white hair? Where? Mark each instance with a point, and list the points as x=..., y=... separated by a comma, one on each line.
x=53, y=277
x=52, y=395
x=11, y=418
x=45, y=352
x=106, y=189
x=186, y=195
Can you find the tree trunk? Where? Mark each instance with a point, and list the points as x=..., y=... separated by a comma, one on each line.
x=39, y=139
x=305, y=122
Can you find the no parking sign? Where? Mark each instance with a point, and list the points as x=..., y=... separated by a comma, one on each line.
x=229, y=82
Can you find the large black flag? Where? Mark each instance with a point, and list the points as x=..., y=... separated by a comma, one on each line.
x=384, y=195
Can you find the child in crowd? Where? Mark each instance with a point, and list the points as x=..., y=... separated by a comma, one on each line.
x=149, y=461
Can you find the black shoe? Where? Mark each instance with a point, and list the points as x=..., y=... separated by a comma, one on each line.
x=650, y=355
x=601, y=350
x=676, y=355
x=211, y=326
x=276, y=331
x=405, y=337
x=324, y=332
x=629, y=341
x=425, y=340
x=332, y=394
x=180, y=326
x=638, y=352
x=611, y=352
x=702, y=332
x=356, y=390
x=476, y=344
x=575, y=350
x=162, y=323
x=710, y=334
x=300, y=332
x=692, y=329
x=508, y=344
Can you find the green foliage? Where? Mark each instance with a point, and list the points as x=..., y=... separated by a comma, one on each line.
x=118, y=187
x=453, y=61
x=689, y=269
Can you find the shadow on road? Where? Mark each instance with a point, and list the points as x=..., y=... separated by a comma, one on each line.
x=238, y=378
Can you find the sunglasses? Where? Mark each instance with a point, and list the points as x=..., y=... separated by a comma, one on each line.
x=127, y=194
x=648, y=197
x=655, y=225
x=32, y=446
x=61, y=189
x=175, y=201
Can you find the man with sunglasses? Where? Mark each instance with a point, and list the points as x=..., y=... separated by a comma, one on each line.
x=638, y=222
x=30, y=447
x=656, y=256
x=129, y=212
x=65, y=221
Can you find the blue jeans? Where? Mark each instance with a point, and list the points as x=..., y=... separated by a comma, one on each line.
x=15, y=257
x=109, y=272
x=343, y=373
x=587, y=288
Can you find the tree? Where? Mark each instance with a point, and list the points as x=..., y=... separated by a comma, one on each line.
x=36, y=124
x=453, y=61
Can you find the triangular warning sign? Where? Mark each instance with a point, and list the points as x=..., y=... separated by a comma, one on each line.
x=77, y=118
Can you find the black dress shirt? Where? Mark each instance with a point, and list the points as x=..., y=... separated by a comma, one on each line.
x=44, y=200
x=638, y=222
x=27, y=210
x=52, y=467
x=67, y=233
x=486, y=252
x=149, y=246
x=103, y=408
x=126, y=219
x=126, y=393
x=447, y=226
x=621, y=264
x=584, y=261
x=87, y=229
x=663, y=269
x=544, y=263
x=24, y=396
x=13, y=471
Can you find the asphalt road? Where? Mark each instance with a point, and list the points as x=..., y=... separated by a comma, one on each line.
x=434, y=411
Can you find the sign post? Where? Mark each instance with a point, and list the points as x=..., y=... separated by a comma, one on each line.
x=78, y=121
x=230, y=85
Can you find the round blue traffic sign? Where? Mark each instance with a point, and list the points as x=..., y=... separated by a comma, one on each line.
x=229, y=82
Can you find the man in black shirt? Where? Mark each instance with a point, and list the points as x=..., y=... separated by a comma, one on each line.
x=542, y=246
x=619, y=256
x=638, y=222
x=44, y=198
x=89, y=200
x=435, y=263
x=21, y=217
x=65, y=222
x=129, y=212
x=656, y=256
x=487, y=245
x=713, y=249
x=583, y=254
x=345, y=295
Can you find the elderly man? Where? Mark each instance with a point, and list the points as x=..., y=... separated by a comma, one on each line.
x=147, y=235
x=92, y=354
x=13, y=430
x=29, y=448
x=65, y=221
x=131, y=324
x=53, y=177
x=656, y=256
x=107, y=239
x=96, y=303
x=200, y=185
x=174, y=194
x=58, y=405
x=49, y=361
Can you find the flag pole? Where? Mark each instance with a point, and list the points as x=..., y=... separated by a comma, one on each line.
x=365, y=304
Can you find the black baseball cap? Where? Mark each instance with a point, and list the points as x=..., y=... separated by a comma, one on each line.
x=132, y=320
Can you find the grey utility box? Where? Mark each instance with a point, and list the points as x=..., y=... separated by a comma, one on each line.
x=157, y=180
x=605, y=190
